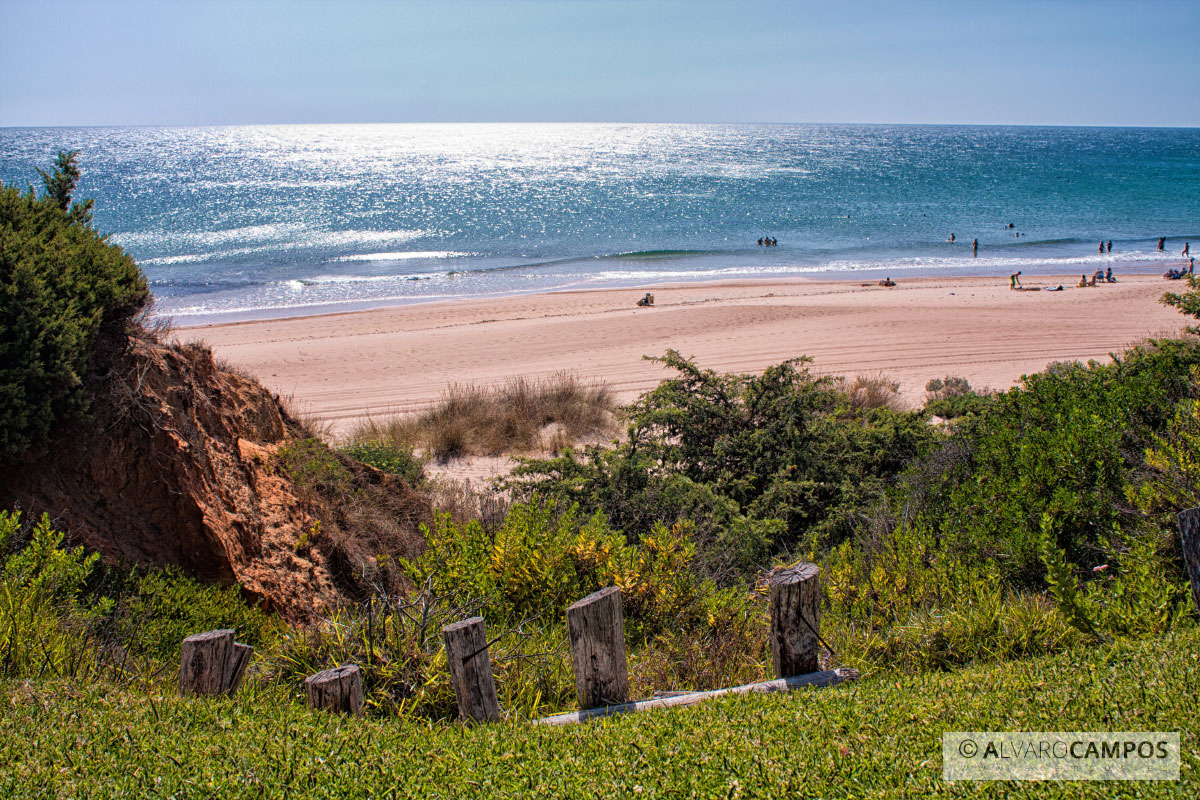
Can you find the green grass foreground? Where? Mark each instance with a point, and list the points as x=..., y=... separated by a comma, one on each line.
x=878, y=738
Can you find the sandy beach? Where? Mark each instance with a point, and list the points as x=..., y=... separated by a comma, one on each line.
x=341, y=367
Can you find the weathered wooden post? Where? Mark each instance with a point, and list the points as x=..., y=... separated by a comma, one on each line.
x=597, y=630
x=212, y=663
x=471, y=670
x=339, y=689
x=1189, y=537
x=795, y=610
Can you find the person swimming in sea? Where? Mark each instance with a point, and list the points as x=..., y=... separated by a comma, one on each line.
x=1110, y=245
x=975, y=248
x=951, y=239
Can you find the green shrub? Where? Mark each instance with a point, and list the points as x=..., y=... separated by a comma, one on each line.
x=63, y=288
x=394, y=459
x=759, y=463
x=157, y=609
x=1067, y=443
x=43, y=627
x=312, y=465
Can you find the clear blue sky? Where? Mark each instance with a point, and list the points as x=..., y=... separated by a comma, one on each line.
x=1085, y=62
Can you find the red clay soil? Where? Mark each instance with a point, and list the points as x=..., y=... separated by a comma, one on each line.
x=176, y=466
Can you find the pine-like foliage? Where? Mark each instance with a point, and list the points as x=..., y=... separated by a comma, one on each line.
x=62, y=286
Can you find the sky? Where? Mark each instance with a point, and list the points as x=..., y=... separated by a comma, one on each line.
x=162, y=62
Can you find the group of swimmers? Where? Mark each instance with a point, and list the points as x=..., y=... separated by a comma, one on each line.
x=1187, y=246
x=768, y=241
x=974, y=244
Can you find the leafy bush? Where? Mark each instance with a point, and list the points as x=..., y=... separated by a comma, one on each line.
x=42, y=625
x=157, y=609
x=952, y=397
x=393, y=459
x=1068, y=442
x=63, y=289
x=759, y=463
x=312, y=465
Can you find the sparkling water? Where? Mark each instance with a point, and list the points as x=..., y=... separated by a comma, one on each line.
x=263, y=221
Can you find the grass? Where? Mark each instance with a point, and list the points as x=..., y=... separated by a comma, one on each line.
x=522, y=415
x=878, y=738
x=872, y=391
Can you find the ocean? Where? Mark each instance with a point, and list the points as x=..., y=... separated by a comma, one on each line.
x=268, y=221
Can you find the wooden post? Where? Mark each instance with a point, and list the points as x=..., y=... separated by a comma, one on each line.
x=339, y=689
x=795, y=610
x=471, y=670
x=597, y=630
x=1189, y=537
x=212, y=663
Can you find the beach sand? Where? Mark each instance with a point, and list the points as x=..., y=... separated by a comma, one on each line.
x=341, y=367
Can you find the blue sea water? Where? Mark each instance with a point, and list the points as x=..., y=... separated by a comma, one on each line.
x=267, y=221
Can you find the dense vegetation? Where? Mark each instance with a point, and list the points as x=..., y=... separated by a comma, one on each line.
x=63, y=287
x=1033, y=527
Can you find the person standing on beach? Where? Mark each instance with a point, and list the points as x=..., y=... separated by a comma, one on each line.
x=975, y=249
x=1014, y=280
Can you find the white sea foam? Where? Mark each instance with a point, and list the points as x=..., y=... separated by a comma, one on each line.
x=404, y=255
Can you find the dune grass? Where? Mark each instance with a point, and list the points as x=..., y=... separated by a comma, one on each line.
x=878, y=738
x=522, y=415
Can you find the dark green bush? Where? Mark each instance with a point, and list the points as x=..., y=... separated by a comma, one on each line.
x=62, y=288
x=1067, y=444
x=760, y=463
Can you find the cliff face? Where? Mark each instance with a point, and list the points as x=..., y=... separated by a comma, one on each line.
x=177, y=465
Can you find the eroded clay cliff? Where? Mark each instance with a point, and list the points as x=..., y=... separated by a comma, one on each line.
x=177, y=465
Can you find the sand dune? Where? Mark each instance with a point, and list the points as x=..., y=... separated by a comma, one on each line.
x=341, y=367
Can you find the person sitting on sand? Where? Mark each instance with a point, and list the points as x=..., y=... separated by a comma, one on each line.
x=648, y=300
x=1082, y=281
x=1108, y=278
x=887, y=282
x=1014, y=281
